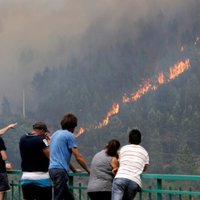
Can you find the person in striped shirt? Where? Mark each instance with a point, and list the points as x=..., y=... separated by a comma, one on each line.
x=133, y=160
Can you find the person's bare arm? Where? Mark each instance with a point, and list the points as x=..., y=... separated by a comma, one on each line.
x=80, y=159
x=46, y=152
x=115, y=165
x=145, y=168
x=5, y=129
x=3, y=155
x=73, y=168
x=9, y=166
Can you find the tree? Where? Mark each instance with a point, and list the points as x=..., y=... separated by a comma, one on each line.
x=184, y=162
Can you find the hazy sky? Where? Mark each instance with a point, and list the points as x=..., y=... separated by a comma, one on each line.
x=40, y=33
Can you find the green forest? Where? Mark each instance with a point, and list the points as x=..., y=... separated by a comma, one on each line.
x=169, y=117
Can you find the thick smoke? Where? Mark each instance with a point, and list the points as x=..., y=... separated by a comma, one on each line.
x=37, y=34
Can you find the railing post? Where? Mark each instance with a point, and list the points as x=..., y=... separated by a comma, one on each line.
x=190, y=197
x=180, y=196
x=140, y=195
x=71, y=182
x=150, y=193
x=170, y=195
x=19, y=190
x=158, y=187
x=79, y=191
x=12, y=190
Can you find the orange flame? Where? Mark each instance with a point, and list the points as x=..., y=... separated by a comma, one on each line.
x=174, y=72
x=125, y=99
x=137, y=95
x=114, y=110
x=161, y=78
x=81, y=131
x=178, y=69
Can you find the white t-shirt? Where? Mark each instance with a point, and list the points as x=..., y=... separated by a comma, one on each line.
x=132, y=160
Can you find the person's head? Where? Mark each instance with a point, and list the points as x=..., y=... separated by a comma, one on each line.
x=40, y=128
x=69, y=122
x=112, y=147
x=135, y=136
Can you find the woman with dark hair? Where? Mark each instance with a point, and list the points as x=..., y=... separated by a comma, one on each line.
x=101, y=172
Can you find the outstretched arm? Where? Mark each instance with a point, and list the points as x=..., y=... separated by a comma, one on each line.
x=80, y=159
x=5, y=129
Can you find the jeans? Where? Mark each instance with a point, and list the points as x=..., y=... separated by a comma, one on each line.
x=124, y=189
x=60, y=179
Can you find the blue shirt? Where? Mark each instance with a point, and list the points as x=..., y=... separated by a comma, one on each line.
x=62, y=141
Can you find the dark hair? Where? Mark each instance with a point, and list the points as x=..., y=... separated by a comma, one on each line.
x=69, y=122
x=135, y=136
x=112, y=147
x=41, y=126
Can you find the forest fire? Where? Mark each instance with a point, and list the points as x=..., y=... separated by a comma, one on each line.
x=174, y=72
x=113, y=111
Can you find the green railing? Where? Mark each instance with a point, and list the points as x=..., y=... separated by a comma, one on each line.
x=155, y=186
x=168, y=186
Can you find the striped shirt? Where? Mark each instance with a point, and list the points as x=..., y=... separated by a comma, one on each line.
x=132, y=160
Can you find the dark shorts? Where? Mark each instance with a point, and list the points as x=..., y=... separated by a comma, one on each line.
x=34, y=192
x=4, y=184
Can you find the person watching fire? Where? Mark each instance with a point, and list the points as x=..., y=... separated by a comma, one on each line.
x=62, y=147
x=4, y=184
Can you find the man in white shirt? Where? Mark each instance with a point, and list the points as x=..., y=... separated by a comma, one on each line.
x=133, y=160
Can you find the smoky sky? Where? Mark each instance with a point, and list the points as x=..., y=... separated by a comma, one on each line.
x=41, y=33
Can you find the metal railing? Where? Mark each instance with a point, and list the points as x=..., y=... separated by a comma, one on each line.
x=168, y=186
x=155, y=186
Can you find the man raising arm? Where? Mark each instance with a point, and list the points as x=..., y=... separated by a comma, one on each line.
x=4, y=184
x=5, y=129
